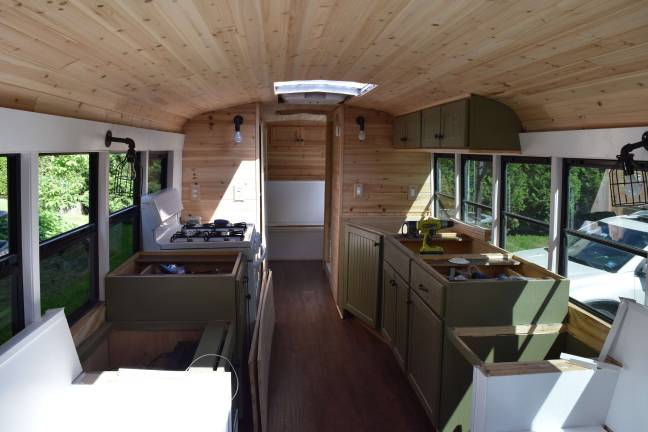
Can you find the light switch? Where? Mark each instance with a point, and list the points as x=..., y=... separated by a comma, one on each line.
x=195, y=191
x=358, y=190
x=239, y=192
x=412, y=192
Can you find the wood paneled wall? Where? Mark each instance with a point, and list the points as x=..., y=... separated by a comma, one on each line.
x=225, y=172
x=297, y=151
x=384, y=172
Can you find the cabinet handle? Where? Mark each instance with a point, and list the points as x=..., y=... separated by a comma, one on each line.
x=248, y=296
x=376, y=244
x=403, y=139
x=392, y=282
x=437, y=136
x=441, y=136
x=422, y=288
x=409, y=302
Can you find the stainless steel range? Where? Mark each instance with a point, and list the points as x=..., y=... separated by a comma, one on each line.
x=162, y=230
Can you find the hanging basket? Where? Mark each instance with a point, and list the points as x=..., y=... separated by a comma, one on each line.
x=628, y=190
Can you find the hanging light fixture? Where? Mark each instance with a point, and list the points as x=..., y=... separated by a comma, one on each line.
x=360, y=121
x=629, y=181
x=238, y=121
x=126, y=173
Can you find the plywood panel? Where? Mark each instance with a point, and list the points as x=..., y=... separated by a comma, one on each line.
x=224, y=172
x=297, y=152
x=575, y=64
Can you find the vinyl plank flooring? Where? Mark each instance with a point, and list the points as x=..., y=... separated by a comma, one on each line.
x=329, y=374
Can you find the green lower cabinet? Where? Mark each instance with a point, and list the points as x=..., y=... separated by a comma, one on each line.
x=424, y=355
x=395, y=298
x=362, y=274
x=388, y=328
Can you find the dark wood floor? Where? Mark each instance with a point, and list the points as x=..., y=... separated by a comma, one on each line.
x=329, y=374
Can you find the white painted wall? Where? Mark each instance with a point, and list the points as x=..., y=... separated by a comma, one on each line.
x=295, y=212
x=28, y=134
x=295, y=202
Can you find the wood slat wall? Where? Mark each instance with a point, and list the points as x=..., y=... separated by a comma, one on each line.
x=212, y=159
x=290, y=158
x=384, y=172
x=559, y=64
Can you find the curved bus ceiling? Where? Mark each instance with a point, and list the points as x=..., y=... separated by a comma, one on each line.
x=157, y=63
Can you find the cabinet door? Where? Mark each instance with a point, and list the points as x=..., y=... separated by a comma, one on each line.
x=454, y=124
x=389, y=304
x=399, y=136
x=401, y=321
x=413, y=130
x=430, y=127
x=424, y=355
x=363, y=274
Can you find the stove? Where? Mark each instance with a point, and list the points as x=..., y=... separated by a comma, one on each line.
x=162, y=230
x=210, y=232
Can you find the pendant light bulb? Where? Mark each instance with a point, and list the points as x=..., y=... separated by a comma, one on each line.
x=237, y=137
x=362, y=135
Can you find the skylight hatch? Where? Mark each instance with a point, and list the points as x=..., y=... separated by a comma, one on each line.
x=349, y=88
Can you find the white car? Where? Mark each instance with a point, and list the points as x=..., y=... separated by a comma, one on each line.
x=599, y=275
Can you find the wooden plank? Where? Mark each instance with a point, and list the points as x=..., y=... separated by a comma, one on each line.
x=264, y=354
x=587, y=328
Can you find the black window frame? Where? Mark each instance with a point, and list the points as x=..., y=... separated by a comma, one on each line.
x=565, y=231
x=11, y=264
x=56, y=244
x=163, y=156
x=503, y=213
x=437, y=182
x=132, y=212
x=462, y=185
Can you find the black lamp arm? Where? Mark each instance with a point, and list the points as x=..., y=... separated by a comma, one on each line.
x=627, y=158
x=111, y=139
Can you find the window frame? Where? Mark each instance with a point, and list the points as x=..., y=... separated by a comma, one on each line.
x=11, y=264
x=503, y=213
x=565, y=231
x=133, y=211
x=462, y=185
x=437, y=182
x=53, y=245
x=164, y=173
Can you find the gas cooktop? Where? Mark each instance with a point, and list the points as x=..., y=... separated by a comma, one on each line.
x=216, y=231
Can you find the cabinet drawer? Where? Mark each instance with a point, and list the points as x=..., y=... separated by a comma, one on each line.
x=428, y=287
x=397, y=259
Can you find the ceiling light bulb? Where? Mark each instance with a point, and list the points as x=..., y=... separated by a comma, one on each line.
x=237, y=137
x=362, y=135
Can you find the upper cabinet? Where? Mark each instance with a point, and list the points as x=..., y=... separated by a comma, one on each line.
x=475, y=123
x=407, y=131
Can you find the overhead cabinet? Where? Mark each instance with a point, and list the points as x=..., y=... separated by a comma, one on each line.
x=407, y=131
x=475, y=123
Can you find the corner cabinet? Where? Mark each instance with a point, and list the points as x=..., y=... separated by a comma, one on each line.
x=362, y=273
x=424, y=355
x=475, y=123
x=407, y=131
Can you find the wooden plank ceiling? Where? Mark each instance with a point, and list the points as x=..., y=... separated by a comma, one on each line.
x=156, y=63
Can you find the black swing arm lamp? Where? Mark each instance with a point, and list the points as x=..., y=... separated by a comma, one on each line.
x=629, y=181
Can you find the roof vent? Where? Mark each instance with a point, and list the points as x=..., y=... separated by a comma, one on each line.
x=319, y=92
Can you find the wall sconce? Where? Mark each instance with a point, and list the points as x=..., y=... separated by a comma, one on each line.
x=629, y=181
x=360, y=121
x=238, y=121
